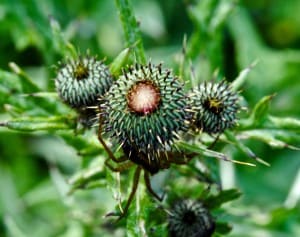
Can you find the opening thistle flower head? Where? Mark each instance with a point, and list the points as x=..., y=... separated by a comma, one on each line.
x=81, y=81
x=190, y=218
x=215, y=106
x=145, y=109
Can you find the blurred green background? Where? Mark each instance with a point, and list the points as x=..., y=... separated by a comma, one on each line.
x=34, y=167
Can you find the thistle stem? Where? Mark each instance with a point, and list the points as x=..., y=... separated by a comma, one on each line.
x=131, y=29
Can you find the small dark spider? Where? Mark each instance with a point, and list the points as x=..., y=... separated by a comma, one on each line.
x=133, y=157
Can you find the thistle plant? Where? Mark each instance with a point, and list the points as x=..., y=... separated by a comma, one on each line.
x=80, y=82
x=190, y=218
x=139, y=168
x=146, y=109
x=215, y=107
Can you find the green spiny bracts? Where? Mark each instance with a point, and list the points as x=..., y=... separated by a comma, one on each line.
x=145, y=109
x=80, y=82
x=190, y=218
x=215, y=106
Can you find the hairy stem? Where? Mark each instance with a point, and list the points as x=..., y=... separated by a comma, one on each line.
x=131, y=29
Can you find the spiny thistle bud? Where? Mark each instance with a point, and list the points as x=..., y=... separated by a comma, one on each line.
x=145, y=109
x=215, y=106
x=80, y=82
x=190, y=219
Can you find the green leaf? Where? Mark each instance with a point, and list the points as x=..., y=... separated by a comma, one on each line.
x=36, y=124
x=28, y=86
x=119, y=62
x=60, y=43
x=12, y=110
x=10, y=81
x=75, y=229
x=13, y=229
x=201, y=150
x=113, y=184
x=268, y=136
x=221, y=14
x=82, y=143
x=260, y=110
x=285, y=220
x=91, y=177
x=246, y=150
x=136, y=220
x=223, y=228
x=216, y=201
x=241, y=78
x=283, y=123
x=22, y=95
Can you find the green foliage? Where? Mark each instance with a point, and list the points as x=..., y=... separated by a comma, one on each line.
x=131, y=30
x=53, y=177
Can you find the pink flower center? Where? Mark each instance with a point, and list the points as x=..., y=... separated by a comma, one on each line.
x=143, y=97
